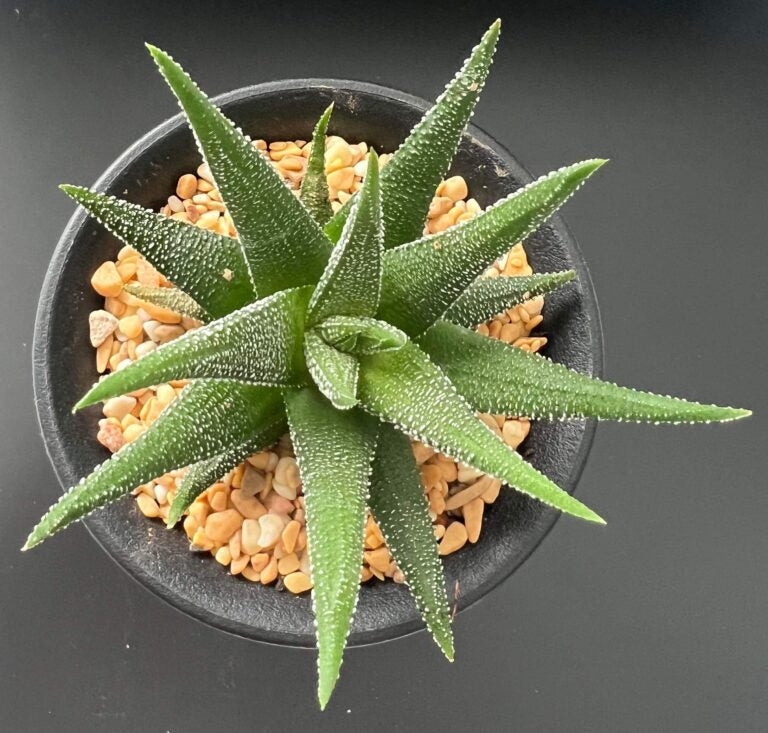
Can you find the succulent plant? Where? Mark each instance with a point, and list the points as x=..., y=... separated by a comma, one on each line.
x=355, y=332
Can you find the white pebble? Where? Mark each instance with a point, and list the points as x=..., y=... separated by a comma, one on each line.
x=150, y=327
x=271, y=529
x=145, y=347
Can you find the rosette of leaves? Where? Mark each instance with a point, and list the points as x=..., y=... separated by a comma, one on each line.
x=355, y=332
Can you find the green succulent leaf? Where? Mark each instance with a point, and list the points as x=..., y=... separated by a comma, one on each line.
x=401, y=510
x=423, y=279
x=205, y=473
x=351, y=282
x=498, y=378
x=206, y=419
x=409, y=180
x=360, y=335
x=171, y=298
x=334, y=372
x=314, y=187
x=334, y=450
x=209, y=268
x=489, y=296
x=284, y=246
x=405, y=388
x=260, y=344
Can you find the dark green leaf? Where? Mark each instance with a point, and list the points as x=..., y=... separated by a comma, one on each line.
x=207, y=418
x=401, y=510
x=314, y=187
x=211, y=269
x=498, y=378
x=283, y=244
x=489, y=296
x=171, y=298
x=423, y=279
x=404, y=387
x=360, y=335
x=351, y=282
x=334, y=372
x=260, y=344
x=334, y=450
x=409, y=180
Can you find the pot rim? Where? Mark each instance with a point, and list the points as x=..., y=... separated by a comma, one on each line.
x=52, y=435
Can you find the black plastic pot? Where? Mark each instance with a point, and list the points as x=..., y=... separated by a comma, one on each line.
x=64, y=368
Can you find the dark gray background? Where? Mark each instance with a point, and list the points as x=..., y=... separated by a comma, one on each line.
x=655, y=623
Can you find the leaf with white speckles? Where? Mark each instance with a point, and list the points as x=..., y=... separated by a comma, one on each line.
x=409, y=180
x=208, y=267
x=490, y=296
x=401, y=510
x=283, y=244
x=260, y=344
x=359, y=335
x=207, y=418
x=334, y=451
x=498, y=378
x=421, y=280
x=334, y=372
x=351, y=282
x=405, y=388
x=172, y=299
x=203, y=474
x=314, y=187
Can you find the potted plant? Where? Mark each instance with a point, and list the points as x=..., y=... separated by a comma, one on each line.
x=352, y=330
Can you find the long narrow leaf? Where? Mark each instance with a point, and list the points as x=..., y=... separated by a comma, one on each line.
x=405, y=388
x=206, y=419
x=284, y=246
x=170, y=298
x=260, y=344
x=208, y=267
x=314, y=187
x=498, y=378
x=490, y=296
x=351, y=281
x=334, y=450
x=203, y=474
x=423, y=279
x=399, y=507
x=419, y=164
x=334, y=372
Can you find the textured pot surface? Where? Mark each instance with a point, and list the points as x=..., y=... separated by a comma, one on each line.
x=64, y=368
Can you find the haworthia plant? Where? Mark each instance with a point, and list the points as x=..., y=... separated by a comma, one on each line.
x=357, y=337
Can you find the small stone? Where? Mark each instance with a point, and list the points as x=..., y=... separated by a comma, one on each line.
x=278, y=504
x=455, y=538
x=297, y=582
x=101, y=324
x=106, y=280
x=253, y=481
x=249, y=539
x=220, y=526
x=166, y=332
x=271, y=529
x=249, y=506
x=283, y=490
x=144, y=348
x=473, y=518
x=119, y=407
